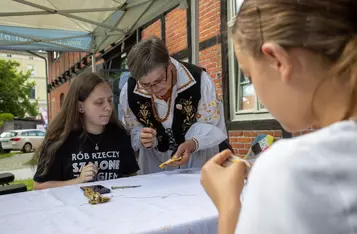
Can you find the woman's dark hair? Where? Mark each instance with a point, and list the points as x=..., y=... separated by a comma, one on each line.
x=69, y=119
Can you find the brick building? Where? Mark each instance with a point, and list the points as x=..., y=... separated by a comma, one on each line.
x=197, y=32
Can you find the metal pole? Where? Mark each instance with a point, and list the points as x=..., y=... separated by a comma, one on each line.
x=195, y=31
x=93, y=62
x=46, y=68
x=7, y=14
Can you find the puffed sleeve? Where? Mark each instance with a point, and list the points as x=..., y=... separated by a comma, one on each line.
x=209, y=130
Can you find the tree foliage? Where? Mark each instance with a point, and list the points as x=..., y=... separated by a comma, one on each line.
x=15, y=89
x=5, y=117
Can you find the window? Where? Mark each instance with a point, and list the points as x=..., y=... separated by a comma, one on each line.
x=31, y=58
x=32, y=94
x=25, y=134
x=56, y=55
x=32, y=68
x=53, y=108
x=32, y=133
x=244, y=103
x=61, y=99
x=39, y=133
x=8, y=134
x=9, y=55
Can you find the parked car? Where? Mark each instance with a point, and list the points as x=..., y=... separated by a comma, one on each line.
x=5, y=136
x=25, y=140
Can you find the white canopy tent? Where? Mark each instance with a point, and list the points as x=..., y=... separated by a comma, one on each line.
x=74, y=25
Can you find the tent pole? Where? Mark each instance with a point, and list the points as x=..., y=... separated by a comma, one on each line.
x=93, y=62
x=93, y=45
x=195, y=31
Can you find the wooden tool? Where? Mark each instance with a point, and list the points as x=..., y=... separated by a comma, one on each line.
x=171, y=160
x=234, y=159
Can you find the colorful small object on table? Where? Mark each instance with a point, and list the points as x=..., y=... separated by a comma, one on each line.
x=264, y=142
x=259, y=145
x=171, y=160
x=95, y=197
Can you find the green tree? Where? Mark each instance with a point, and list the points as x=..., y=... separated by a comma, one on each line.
x=15, y=89
x=4, y=117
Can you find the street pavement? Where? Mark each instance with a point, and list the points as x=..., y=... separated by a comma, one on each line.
x=17, y=165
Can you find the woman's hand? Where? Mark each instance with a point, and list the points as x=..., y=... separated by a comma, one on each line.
x=224, y=186
x=184, y=152
x=88, y=173
x=147, y=137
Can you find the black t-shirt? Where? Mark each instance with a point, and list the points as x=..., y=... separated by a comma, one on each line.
x=113, y=155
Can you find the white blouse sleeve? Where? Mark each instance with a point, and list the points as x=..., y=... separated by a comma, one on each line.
x=209, y=130
x=130, y=121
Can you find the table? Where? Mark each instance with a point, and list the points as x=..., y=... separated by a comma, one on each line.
x=168, y=202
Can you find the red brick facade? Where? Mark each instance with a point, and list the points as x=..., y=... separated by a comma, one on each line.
x=209, y=18
x=176, y=30
x=56, y=67
x=210, y=59
x=152, y=30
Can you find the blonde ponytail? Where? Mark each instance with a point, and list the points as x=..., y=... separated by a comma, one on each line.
x=345, y=70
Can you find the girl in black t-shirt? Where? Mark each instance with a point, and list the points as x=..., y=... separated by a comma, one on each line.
x=85, y=142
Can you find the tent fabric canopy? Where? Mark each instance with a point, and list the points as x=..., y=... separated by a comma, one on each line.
x=73, y=25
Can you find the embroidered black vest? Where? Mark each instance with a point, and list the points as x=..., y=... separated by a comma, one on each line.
x=185, y=110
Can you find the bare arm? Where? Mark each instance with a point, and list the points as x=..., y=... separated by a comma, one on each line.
x=224, y=186
x=53, y=184
x=87, y=174
x=228, y=220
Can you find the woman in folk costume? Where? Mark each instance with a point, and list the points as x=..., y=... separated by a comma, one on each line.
x=171, y=109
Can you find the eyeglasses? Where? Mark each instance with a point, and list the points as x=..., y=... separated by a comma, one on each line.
x=156, y=83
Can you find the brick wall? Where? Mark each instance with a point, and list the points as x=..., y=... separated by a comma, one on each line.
x=56, y=68
x=210, y=59
x=55, y=95
x=176, y=30
x=209, y=18
x=209, y=27
x=152, y=30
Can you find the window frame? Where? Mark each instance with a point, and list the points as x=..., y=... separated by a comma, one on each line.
x=40, y=133
x=32, y=133
x=62, y=98
x=235, y=76
x=33, y=69
x=34, y=92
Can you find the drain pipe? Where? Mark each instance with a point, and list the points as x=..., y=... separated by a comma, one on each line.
x=46, y=67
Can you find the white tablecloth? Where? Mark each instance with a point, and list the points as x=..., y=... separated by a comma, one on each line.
x=170, y=202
